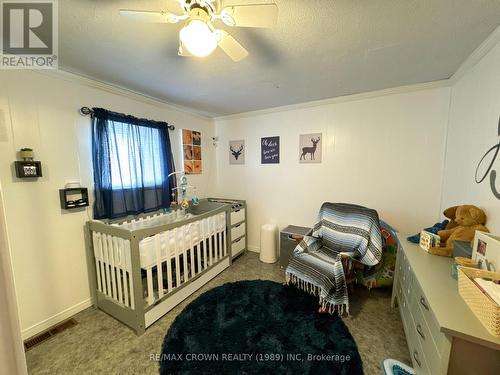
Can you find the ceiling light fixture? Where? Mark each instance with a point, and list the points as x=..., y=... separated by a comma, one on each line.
x=198, y=38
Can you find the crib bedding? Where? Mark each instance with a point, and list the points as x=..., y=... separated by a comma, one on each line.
x=195, y=233
x=152, y=221
x=169, y=244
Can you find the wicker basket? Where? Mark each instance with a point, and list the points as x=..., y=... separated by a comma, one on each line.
x=485, y=309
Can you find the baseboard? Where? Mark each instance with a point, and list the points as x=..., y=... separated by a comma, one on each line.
x=253, y=249
x=53, y=320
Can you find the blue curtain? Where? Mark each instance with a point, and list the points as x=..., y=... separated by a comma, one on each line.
x=132, y=158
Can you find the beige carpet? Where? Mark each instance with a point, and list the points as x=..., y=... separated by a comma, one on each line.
x=101, y=345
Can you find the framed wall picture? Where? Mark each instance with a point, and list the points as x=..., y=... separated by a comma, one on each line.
x=191, y=144
x=237, y=152
x=486, y=251
x=270, y=150
x=311, y=148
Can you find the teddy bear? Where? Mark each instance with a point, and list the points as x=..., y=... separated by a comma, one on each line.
x=450, y=213
x=468, y=219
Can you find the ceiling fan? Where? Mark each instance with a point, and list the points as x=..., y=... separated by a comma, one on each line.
x=199, y=37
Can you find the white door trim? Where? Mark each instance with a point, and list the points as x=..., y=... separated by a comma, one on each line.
x=12, y=358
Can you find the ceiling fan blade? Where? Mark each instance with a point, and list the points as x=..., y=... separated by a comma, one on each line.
x=253, y=15
x=150, y=16
x=231, y=47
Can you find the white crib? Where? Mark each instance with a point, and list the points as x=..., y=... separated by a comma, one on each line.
x=142, y=268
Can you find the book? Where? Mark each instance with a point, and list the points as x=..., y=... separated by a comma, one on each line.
x=428, y=240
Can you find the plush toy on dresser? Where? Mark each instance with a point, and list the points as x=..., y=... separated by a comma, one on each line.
x=451, y=213
x=468, y=219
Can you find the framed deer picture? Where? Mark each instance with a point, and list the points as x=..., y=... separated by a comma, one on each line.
x=310, y=148
x=237, y=152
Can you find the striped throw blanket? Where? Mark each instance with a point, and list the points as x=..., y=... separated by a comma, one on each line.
x=316, y=267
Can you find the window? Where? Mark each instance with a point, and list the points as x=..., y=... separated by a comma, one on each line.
x=132, y=160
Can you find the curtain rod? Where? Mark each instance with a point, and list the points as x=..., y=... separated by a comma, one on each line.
x=86, y=111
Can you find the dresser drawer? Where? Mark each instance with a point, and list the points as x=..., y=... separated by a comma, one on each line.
x=416, y=353
x=419, y=303
x=237, y=216
x=403, y=303
x=405, y=276
x=426, y=340
x=238, y=246
x=237, y=231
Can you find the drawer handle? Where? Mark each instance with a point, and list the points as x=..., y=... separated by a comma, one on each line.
x=236, y=226
x=419, y=330
x=237, y=211
x=415, y=357
x=423, y=303
x=238, y=240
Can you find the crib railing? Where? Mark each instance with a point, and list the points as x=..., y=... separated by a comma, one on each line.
x=113, y=268
x=137, y=265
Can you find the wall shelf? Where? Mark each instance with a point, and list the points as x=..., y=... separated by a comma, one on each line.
x=28, y=169
x=74, y=198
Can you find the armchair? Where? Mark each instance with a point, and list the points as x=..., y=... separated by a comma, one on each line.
x=323, y=264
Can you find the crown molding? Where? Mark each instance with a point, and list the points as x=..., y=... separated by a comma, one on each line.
x=67, y=75
x=475, y=57
x=340, y=99
x=486, y=46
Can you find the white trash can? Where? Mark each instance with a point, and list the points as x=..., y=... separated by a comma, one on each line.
x=268, y=252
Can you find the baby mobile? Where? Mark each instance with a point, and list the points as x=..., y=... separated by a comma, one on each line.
x=181, y=192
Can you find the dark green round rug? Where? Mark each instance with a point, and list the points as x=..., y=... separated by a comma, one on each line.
x=258, y=327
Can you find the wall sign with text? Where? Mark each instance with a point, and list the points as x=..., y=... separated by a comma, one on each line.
x=270, y=150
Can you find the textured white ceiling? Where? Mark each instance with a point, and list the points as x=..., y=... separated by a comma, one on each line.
x=320, y=49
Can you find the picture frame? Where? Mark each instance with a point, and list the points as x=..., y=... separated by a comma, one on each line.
x=270, y=150
x=237, y=151
x=192, y=151
x=486, y=251
x=310, y=148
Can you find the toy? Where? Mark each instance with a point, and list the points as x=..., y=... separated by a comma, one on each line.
x=434, y=229
x=183, y=189
x=468, y=218
x=451, y=213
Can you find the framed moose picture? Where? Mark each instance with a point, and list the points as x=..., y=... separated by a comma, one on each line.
x=237, y=152
x=310, y=148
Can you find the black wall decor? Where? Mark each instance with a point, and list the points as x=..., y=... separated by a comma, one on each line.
x=270, y=150
x=490, y=155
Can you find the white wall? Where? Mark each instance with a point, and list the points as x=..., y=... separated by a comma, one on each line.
x=383, y=152
x=47, y=243
x=473, y=130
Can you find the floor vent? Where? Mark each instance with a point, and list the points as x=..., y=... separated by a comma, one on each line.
x=44, y=336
